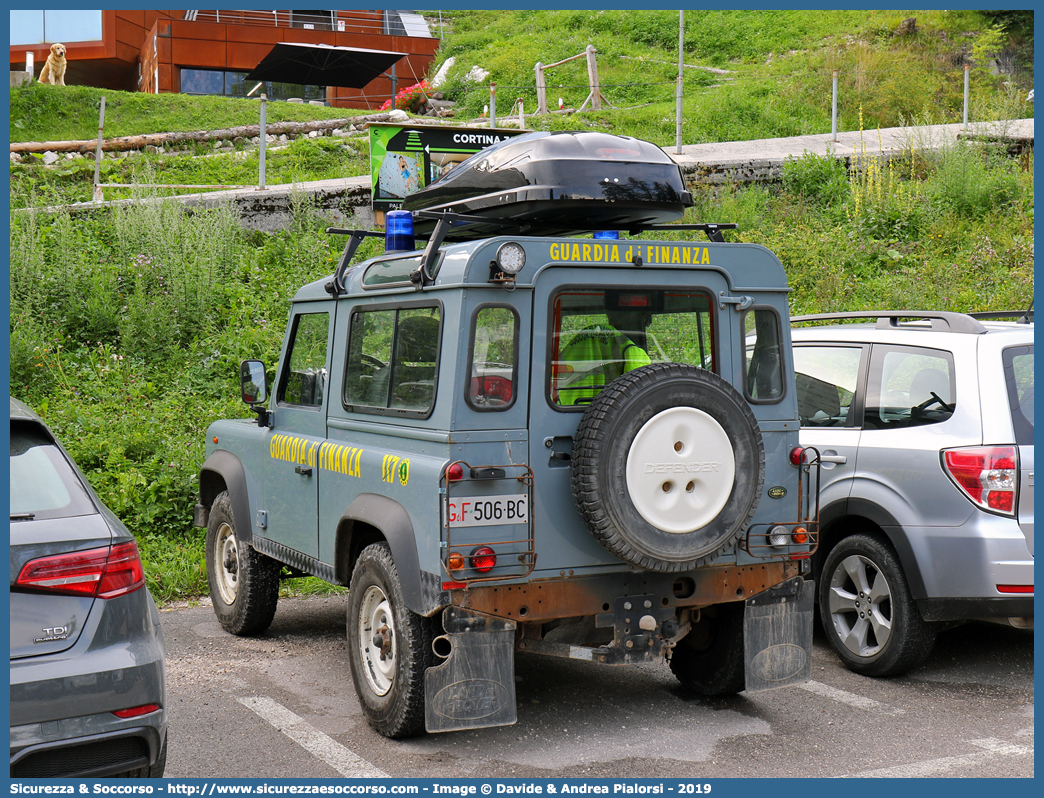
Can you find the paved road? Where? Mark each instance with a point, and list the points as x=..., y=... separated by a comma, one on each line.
x=282, y=705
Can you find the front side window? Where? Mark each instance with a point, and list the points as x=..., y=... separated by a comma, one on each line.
x=304, y=378
x=494, y=359
x=1018, y=377
x=43, y=483
x=393, y=359
x=598, y=335
x=825, y=381
x=909, y=387
x=763, y=377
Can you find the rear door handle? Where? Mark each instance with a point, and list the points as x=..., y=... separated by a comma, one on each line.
x=840, y=459
x=305, y=472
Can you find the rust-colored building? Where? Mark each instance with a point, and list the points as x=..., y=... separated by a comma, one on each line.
x=210, y=52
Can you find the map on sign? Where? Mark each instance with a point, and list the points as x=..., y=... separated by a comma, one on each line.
x=404, y=158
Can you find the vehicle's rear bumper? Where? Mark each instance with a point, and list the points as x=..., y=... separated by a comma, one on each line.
x=92, y=755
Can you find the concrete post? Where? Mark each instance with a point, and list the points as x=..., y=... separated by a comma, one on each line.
x=98, y=195
x=678, y=91
x=833, y=110
x=263, y=142
x=967, y=75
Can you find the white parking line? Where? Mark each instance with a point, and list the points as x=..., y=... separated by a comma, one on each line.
x=341, y=759
x=936, y=767
x=851, y=699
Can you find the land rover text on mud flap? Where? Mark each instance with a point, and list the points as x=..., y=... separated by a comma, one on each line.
x=523, y=438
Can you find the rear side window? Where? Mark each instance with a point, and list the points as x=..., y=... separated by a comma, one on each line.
x=763, y=378
x=43, y=483
x=492, y=375
x=825, y=381
x=909, y=387
x=1018, y=377
x=393, y=360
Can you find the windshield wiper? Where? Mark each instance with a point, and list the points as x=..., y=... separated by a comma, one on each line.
x=23, y=516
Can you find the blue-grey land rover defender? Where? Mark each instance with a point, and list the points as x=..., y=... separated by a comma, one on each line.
x=524, y=438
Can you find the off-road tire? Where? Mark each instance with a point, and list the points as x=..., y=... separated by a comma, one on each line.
x=627, y=409
x=709, y=659
x=391, y=693
x=909, y=640
x=244, y=584
x=153, y=771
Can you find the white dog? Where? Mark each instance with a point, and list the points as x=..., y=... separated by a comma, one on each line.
x=53, y=71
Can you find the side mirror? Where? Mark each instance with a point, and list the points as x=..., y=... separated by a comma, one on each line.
x=252, y=382
x=253, y=389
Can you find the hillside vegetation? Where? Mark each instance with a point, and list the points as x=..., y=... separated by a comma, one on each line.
x=128, y=325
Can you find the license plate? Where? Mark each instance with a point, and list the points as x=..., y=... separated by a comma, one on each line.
x=488, y=510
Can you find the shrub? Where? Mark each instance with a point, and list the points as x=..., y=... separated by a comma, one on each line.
x=821, y=179
x=410, y=98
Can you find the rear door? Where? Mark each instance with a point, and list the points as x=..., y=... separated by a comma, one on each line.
x=827, y=380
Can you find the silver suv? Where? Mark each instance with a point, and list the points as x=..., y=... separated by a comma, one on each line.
x=924, y=424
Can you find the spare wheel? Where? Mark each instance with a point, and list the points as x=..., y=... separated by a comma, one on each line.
x=668, y=464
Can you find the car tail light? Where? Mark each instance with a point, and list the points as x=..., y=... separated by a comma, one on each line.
x=483, y=559
x=1015, y=589
x=797, y=455
x=136, y=712
x=988, y=475
x=455, y=561
x=494, y=388
x=103, y=573
x=455, y=472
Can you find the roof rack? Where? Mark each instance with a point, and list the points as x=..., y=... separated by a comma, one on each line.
x=941, y=320
x=445, y=221
x=1020, y=316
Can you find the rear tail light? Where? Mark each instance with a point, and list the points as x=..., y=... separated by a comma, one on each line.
x=1015, y=589
x=797, y=455
x=483, y=559
x=102, y=573
x=455, y=472
x=136, y=712
x=988, y=475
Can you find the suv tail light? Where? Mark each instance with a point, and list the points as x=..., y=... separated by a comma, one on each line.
x=988, y=475
x=102, y=573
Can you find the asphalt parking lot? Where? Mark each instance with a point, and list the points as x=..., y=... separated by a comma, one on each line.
x=282, y=705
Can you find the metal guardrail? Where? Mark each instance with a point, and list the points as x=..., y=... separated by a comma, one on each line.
x=356, y=21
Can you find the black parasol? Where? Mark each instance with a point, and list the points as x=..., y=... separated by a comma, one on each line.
x=323, y=65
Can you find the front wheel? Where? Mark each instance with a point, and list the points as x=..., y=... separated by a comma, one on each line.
x=244, y=584
x=709, y=659
x=389, y=646
x=868, y=614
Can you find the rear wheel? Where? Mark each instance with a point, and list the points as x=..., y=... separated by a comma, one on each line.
x=244, y=584
x=709, y=659
x=389, y=646
x=868, y=614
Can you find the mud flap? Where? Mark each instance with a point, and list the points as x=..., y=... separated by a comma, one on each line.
x=777, y=635
x=475, y=687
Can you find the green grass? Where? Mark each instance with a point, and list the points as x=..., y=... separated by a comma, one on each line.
x=128, y=325
x=56, y=113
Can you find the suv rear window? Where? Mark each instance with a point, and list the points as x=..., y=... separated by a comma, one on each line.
x=1018, y=376
x=43, y=482
x=598, y=335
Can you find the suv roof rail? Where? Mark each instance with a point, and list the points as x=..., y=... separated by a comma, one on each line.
x=1020, y=316
x=942, y=320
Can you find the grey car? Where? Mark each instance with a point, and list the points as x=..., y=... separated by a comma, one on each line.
x=88, y=694
x=924, y=424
